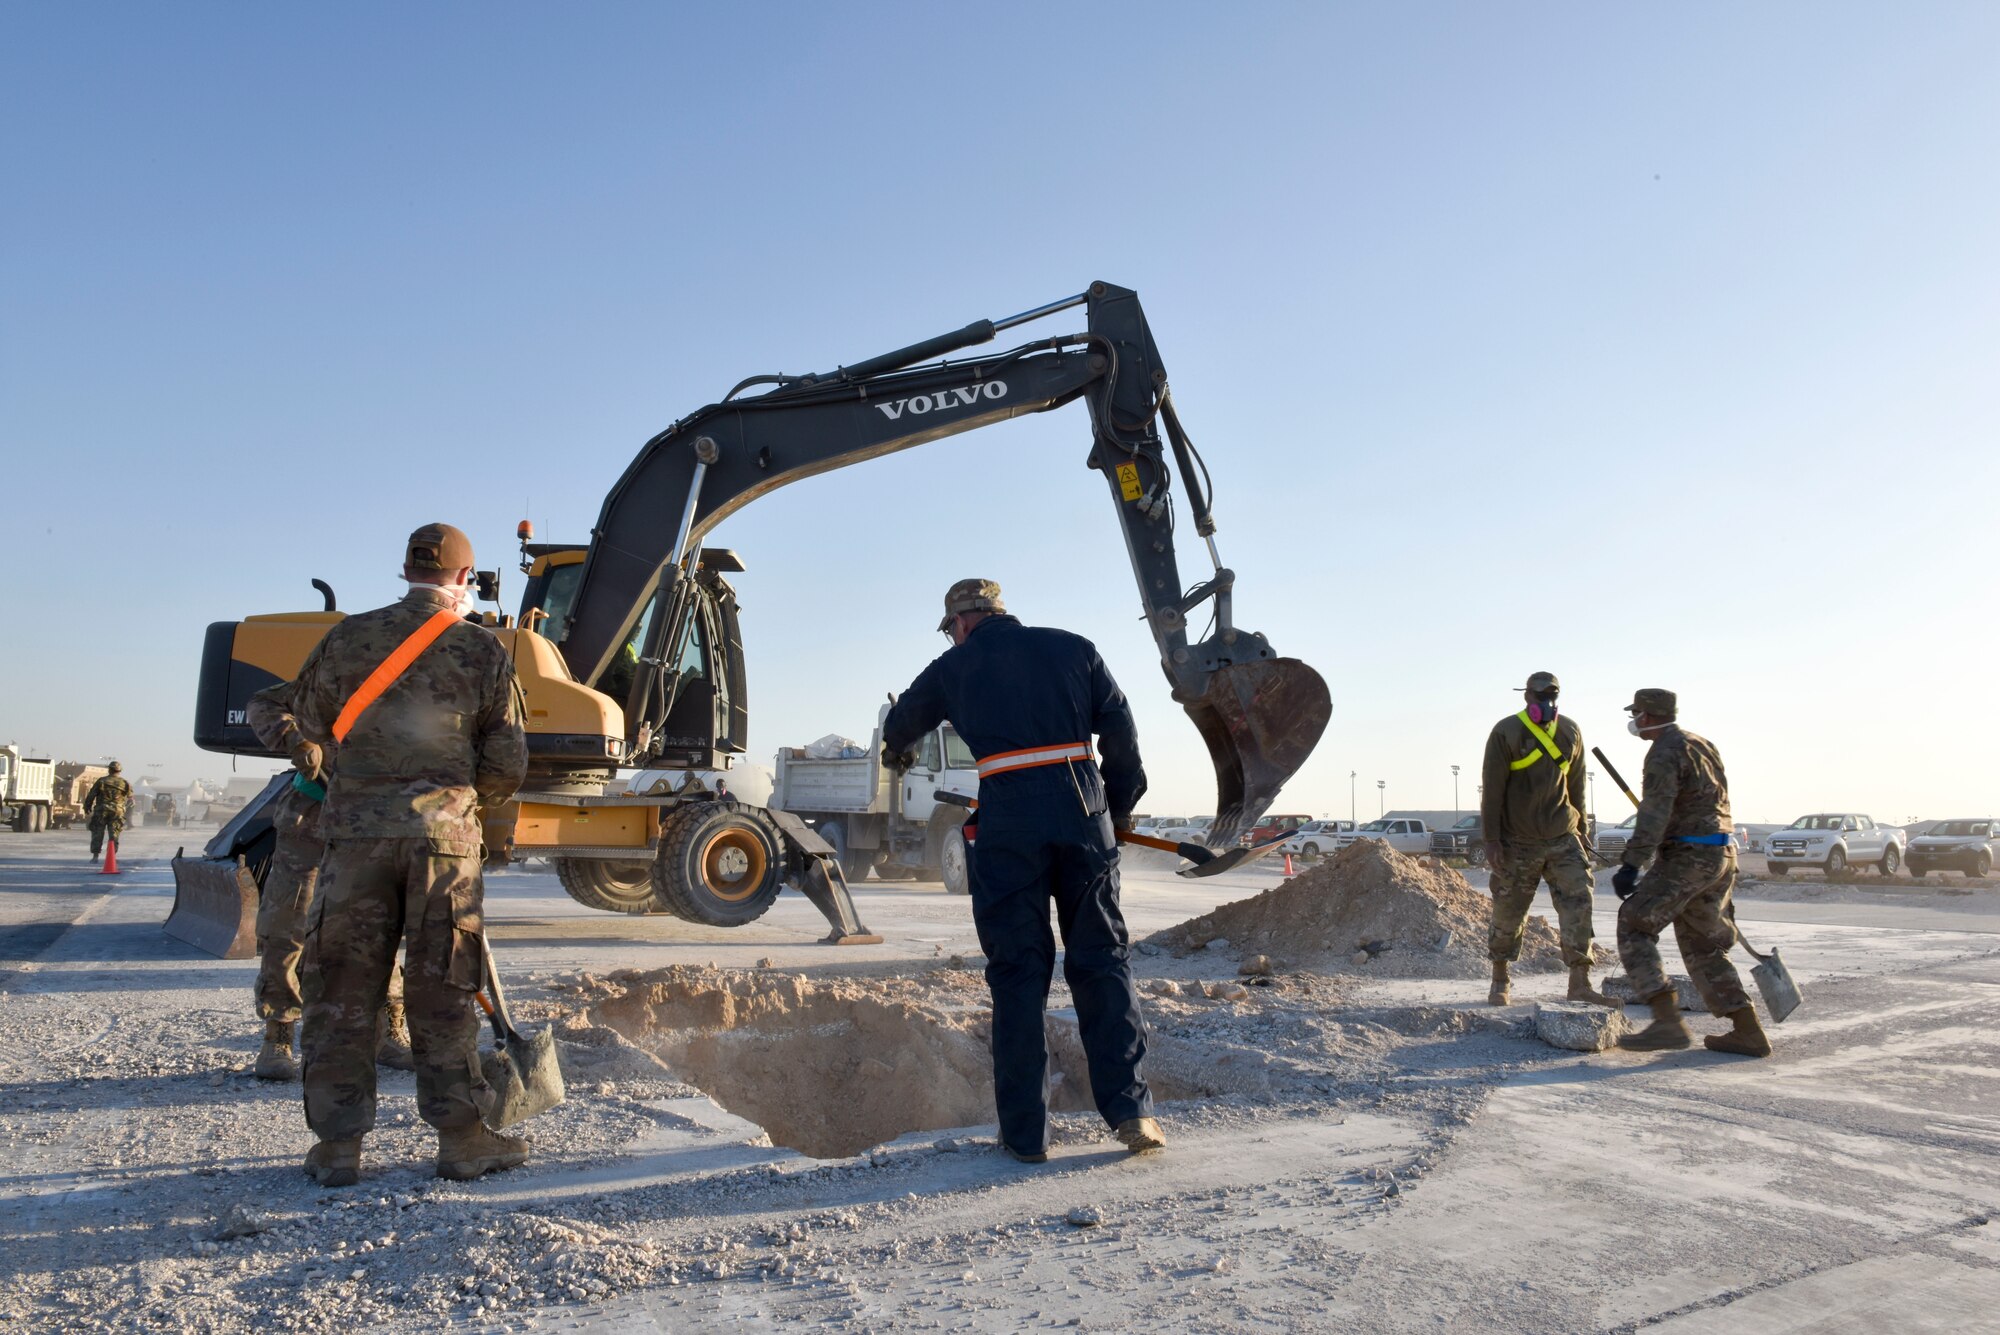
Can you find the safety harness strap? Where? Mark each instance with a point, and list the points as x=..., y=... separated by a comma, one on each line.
x=1033, y=757
x=390, y=670
x=1547, y=744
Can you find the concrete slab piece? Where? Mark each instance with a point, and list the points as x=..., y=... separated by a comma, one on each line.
x=1578, y=1025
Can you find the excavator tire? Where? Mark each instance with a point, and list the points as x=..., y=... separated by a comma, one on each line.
x=720, y=863
x=614, y=887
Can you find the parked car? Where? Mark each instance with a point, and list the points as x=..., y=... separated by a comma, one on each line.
x=1466, y=839
x=1611, y=839
x=1833, y=841
x=1954, y=845
x=1316, y=837
x=1404, y=834
x=1271, y=827
x=1188, y=830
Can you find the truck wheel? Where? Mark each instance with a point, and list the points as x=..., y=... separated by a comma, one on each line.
x=1310, y=852
x=1836, y=863
x=1980, y=866
x=1891, y=859
x=954, y=864
x=854, y=862
x=22, y=821
x=1777, y=873
x=608, y=885
x=720, y=864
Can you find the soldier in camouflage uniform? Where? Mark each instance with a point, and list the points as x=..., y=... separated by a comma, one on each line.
x=107, y=804
x=283, y=905
x=1532, y=814
x=1685, y=816
x=402, y=824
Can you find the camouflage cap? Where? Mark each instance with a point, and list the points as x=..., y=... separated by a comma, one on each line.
x=971, y=595
x=1655, y=701
x=439, y=547
x=1542, y=681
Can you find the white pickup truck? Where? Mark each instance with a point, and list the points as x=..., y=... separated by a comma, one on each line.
x=1833, y=841
x=1401, y=833
x=875, y=819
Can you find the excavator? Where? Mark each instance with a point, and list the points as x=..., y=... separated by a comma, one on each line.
x=629, y=654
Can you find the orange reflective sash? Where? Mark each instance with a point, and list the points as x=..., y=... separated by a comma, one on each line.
x=391, y=668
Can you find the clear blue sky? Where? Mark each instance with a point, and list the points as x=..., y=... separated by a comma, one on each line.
x=1652, y=345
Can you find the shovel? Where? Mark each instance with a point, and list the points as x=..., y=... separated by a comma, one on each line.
x=522, y=1073
x=1773, y=979
x=1207, y=862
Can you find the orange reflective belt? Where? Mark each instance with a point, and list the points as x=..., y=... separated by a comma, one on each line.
x=391, y=668
x=1033, y=757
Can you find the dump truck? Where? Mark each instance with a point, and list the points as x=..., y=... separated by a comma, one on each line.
x=629, y=653
x=879, y=819
x=27, y=791
x=73, y=784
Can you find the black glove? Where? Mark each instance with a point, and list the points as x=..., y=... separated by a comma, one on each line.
x=894, y=759
x=1625, y=880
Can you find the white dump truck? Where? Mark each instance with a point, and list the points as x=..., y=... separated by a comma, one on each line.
x=873, y=817
x=27, y=790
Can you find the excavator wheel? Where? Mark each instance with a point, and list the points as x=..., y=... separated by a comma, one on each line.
x=720, y=864
x=614, y=887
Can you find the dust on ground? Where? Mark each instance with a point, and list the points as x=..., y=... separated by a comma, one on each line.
x=1366, y=909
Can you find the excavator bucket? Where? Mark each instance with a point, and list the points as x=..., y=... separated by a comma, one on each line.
x=1260, y=720
x=215, y=906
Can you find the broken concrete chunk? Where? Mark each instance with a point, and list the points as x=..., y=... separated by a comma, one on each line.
x=1085, y=1216
x=1228, y=992
x=1619, y=988
x=1255, y=966
x=243, y=1222
x=1578, y=1025
x=1163, y=987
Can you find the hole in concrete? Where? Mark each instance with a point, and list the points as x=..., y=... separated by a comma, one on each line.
x=833, y=1068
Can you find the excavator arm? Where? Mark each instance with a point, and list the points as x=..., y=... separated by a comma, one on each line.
x=642, y=587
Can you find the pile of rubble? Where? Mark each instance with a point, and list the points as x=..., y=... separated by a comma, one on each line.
x=1367, y=908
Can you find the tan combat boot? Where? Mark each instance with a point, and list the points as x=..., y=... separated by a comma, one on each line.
x=1668, y=1030
x=335, y=1163
x=1140, y=1134
x=1498, y=994
x=392, y=1039
x=274, y=1059
x=1747, y=1039
x=1581, y=990
x=472, y=1151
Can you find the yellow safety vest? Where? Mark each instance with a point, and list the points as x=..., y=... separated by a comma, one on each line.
x=1547, y=744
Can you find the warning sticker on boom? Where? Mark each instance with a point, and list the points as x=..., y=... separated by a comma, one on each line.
x=1128, y=481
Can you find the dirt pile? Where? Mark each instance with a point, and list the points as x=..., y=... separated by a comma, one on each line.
x=1410, y=918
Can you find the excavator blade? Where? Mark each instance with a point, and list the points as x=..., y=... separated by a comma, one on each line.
x=215, y=907
x=1260, y=720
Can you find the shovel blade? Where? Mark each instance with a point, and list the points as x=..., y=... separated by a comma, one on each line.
x=1261, y=721
x=1774, y=980
x=524, y=1079
x=215, y=907
x=1217, y=863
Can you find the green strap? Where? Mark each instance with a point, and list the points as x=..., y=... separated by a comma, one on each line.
x=1547, y=744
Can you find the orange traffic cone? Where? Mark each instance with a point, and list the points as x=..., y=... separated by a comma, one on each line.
x=110, y=858
x=1288, y=865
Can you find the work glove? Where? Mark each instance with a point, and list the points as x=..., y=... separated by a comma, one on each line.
x=307, y=758
x=1625, y=880
x=896, y=760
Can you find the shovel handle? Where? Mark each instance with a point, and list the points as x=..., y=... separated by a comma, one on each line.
x=1194, y=853
x=1616, y=777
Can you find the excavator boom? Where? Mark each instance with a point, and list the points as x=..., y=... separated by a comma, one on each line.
x=637, y=596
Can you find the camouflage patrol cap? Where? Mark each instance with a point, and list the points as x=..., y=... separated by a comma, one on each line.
x=1655, y=701
x=439, y=547
x=970, y=595
x=1542, y=681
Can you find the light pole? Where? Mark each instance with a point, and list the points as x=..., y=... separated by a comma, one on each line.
x=1454, y=792
x=1381, y=797
x=1350, y=795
